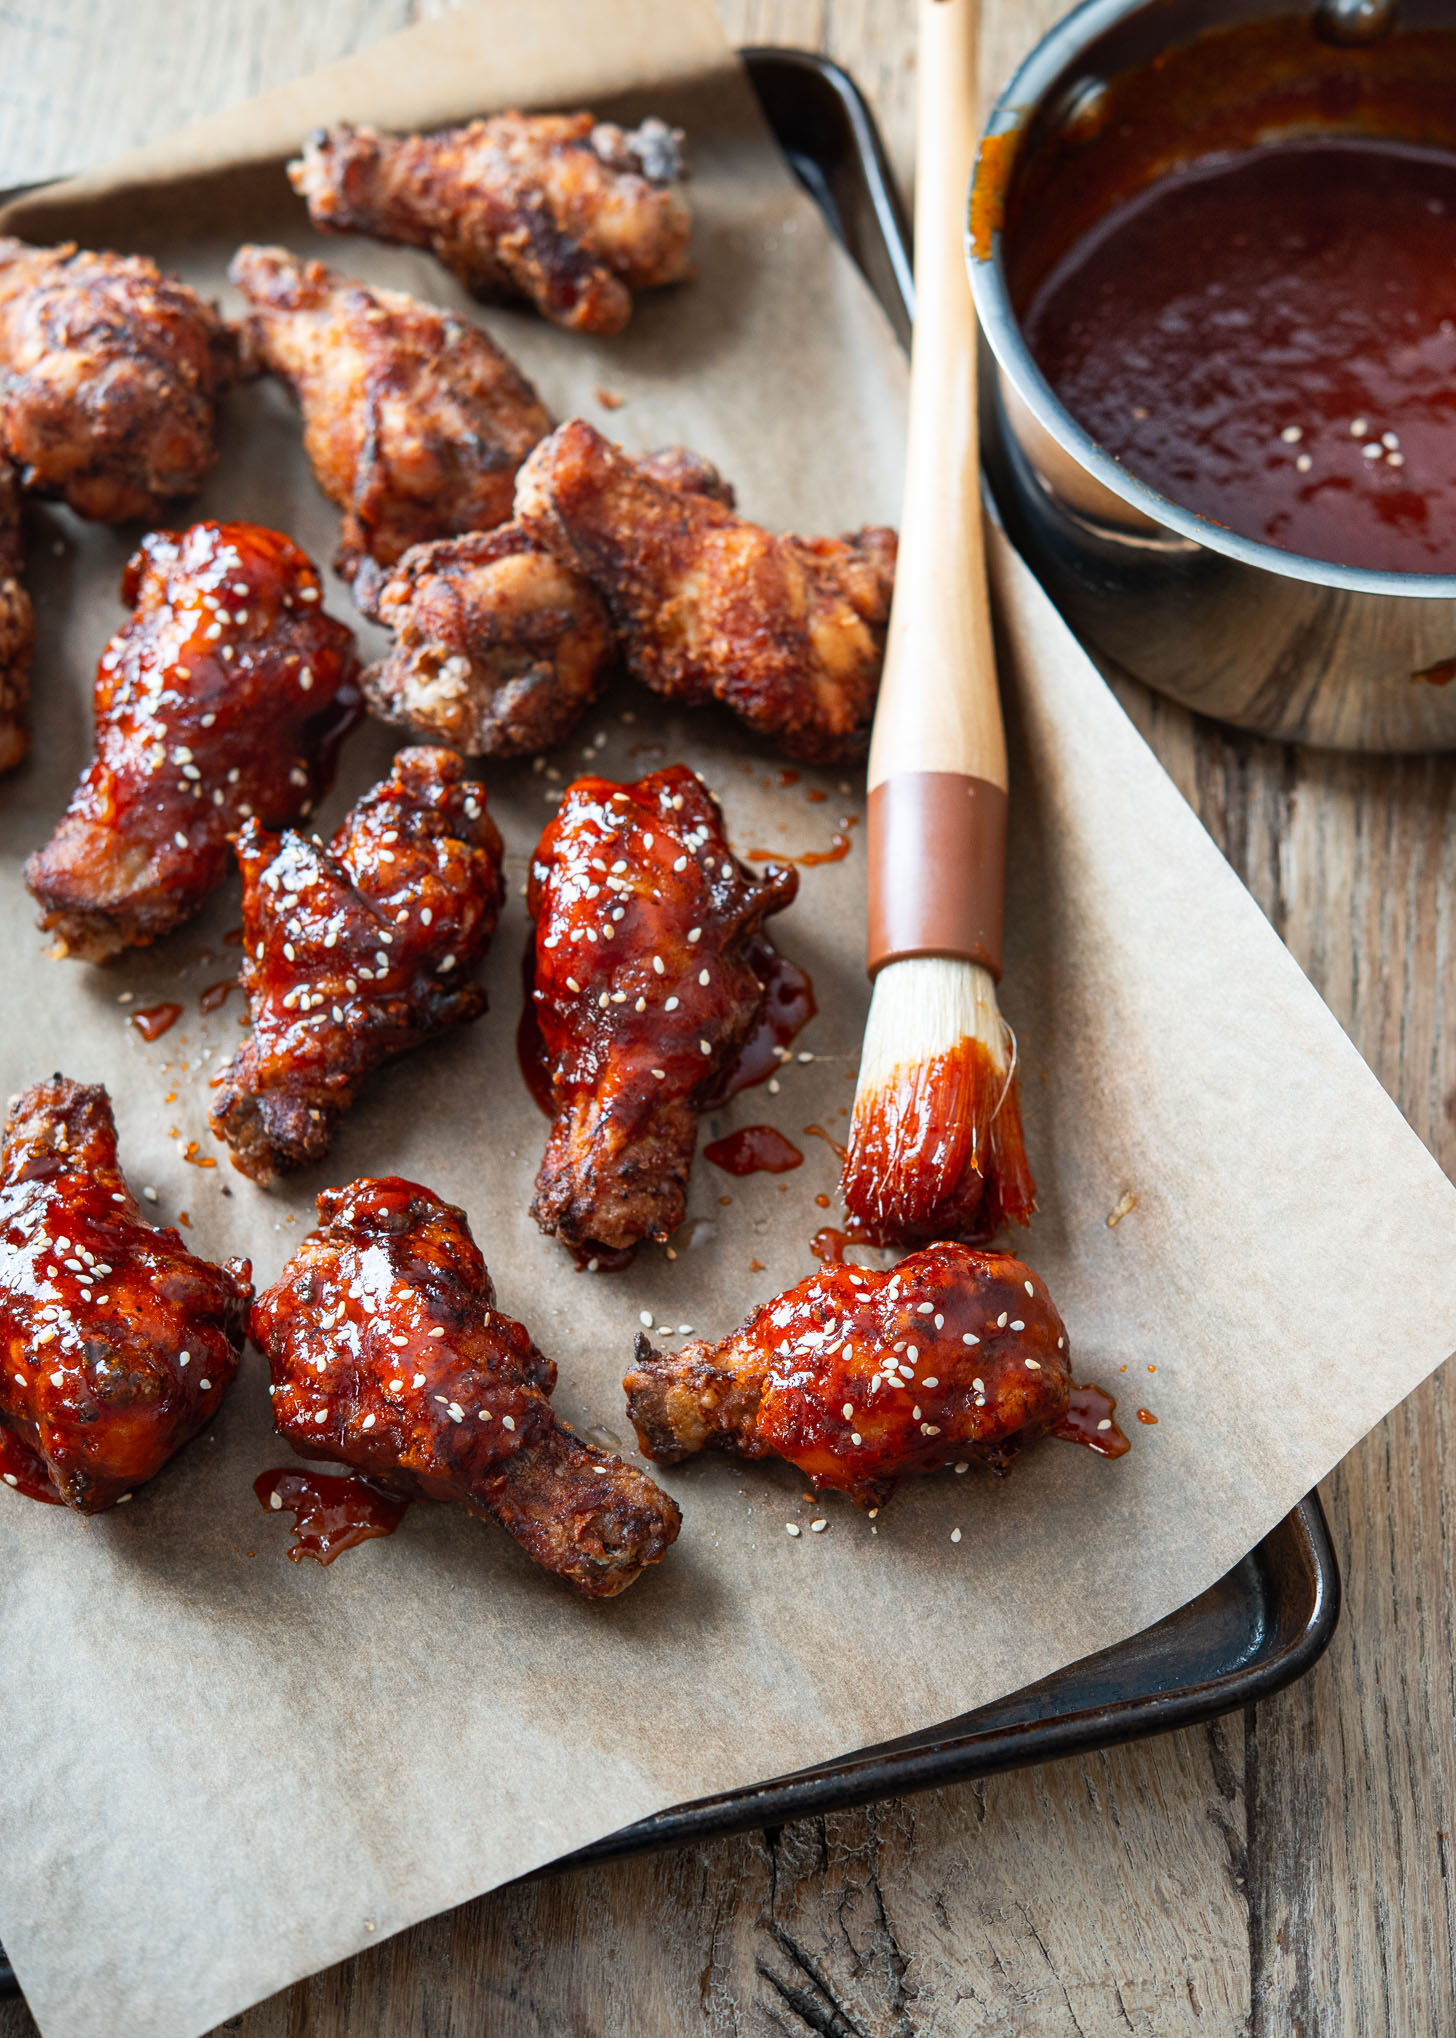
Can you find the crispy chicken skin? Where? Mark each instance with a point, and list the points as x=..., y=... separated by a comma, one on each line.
x=226, y=695
x=861, y=1378
x=569, y=213
x=119, y=1343
x=499, y=648
x=788, y=632
x=387, y=1353
x=355, y=953
x=414, y=420
x=645, y=988
x=17, y=626
x=110, y=374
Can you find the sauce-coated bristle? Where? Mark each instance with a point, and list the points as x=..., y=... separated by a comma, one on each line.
x=936, y=1148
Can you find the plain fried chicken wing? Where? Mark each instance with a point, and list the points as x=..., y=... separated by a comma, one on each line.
x=110, y=374
x=788, y=632
x=861, y=1378
x=570, y=213
x=355, y=953
x=414, y=420
x=225, y=696
x=17, y=626
x=648, y=950
x=388, y=1353
x=119, y=1344
x=499, y=648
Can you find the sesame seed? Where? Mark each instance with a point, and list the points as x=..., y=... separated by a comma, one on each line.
x=704, y=1048
x=484, y=1415
x=1018, y=1323
x=58, y=1379
x=455, y=1412
x=1033, y=1365
x=1358, y=428
x=915, y=1413
x=930, y=1380
x=305, y=678
x=1106, y=1422
x=648, y=840
x=508, y=1422
x=275, y=1500
x=367, y=1423
x=912, y=1352
x=855, y=1437
x=695, y=934
x=322, y=1417
x=1304, y=463
x=418, y=1380
x=1292, y=434
x=1372, y=451
x=1395, y=459
x=1060, y=1342
x=818, y=1527
x=1001, y=1321
x=774, y=1086
x=645, y=1316
x=395, y=1386
x=955, y=1535
x=792, y=1527
x=1028, y=1287
x=657, y=968
x=962, y=1465
x=180, y=839
x=671, y=1005
x=184, y=1358
x=572, y=984
x=150, y=1194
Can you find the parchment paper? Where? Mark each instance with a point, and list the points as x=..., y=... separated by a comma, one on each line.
x=222, y=1771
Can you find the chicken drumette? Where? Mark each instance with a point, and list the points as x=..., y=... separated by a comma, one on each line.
x=861, y=1378
x=414, y=421
x=225, y=696
x=119, y=1344
x=17, y=626
x=570, y=213
x=388, y=1353
x=788, y=632
x=648, y=952
x=355, y=953
x=110, y=373
x=499, y=648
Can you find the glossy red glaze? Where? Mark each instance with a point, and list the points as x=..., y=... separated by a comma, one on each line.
x=1088, y=1409
x=155, y=1020
x=835, y=1147
x=331, y=1511
x=216, y=995
x=754, y=1150
x=1146, y=1415
x=225, y=696
x=827, y=1246
x=118, y=1344
x=23, y=1471
x=1245, y=333
x=840, y=844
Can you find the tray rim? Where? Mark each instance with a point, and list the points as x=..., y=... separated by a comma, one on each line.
x=1302, y=1538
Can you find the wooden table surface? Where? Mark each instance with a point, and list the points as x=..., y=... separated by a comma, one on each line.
x=1283, y=1872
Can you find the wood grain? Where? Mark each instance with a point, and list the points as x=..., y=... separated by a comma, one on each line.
x=1284, y=1873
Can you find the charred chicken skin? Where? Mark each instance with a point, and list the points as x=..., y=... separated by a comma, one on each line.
x=645, y=988
x=499, y=648
x=17, y=626
x=110, y=374
x=119, y=1344
x=356, y=953
x=224, y=697
x=862, y=1378
x=788, y=632
x=569, y=213
x=388, y=1353
x=414, y=420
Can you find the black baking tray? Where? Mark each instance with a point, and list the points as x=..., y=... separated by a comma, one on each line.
x=1270, y=1618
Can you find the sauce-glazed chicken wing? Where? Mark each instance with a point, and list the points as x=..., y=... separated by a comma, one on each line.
x=862, y=1378
x=569, y=213
x=17, y=626
x=118, y=1343
x=225, y=696
x=499, y=648
x=788, y=632
x=110, y=374
x=648, y=930
x=414, y=420
x=388, y=1353
x=355, y=953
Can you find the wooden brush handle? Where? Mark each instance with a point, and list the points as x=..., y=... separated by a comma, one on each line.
x=937, y=770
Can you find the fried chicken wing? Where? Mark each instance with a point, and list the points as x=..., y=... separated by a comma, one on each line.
x=788, y=632
x=110, y=375
x=414, y=420
x=499, y=648
x=861, y=1378
x=570, y=213
x=388, y=1353
x=648, y=952
x=17, y=626
x=119, y=1344
x=225, y=696
x=355, y=953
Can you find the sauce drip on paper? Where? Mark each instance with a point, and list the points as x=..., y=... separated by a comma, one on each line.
x=331, y=1511
x=1088, y=1421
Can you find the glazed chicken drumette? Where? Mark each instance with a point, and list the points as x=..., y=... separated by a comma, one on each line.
x=861, y=1378
x=119, y=1344
x=499, y=648
x=356, y=953
x=388, y=1354
x=110, y=375
x=225, y=697
x=570, y=213
x=647, y=960
x=17, y=625
x=414, y=420
x=788, y=632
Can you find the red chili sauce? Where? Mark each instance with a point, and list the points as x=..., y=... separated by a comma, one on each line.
x=1236, y=266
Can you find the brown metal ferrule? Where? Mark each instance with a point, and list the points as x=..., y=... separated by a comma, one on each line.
x=936, y=843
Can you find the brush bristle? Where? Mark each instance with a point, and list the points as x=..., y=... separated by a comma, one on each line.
x=936, y=1147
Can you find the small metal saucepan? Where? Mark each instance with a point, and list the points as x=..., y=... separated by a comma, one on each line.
x=1294, y=648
